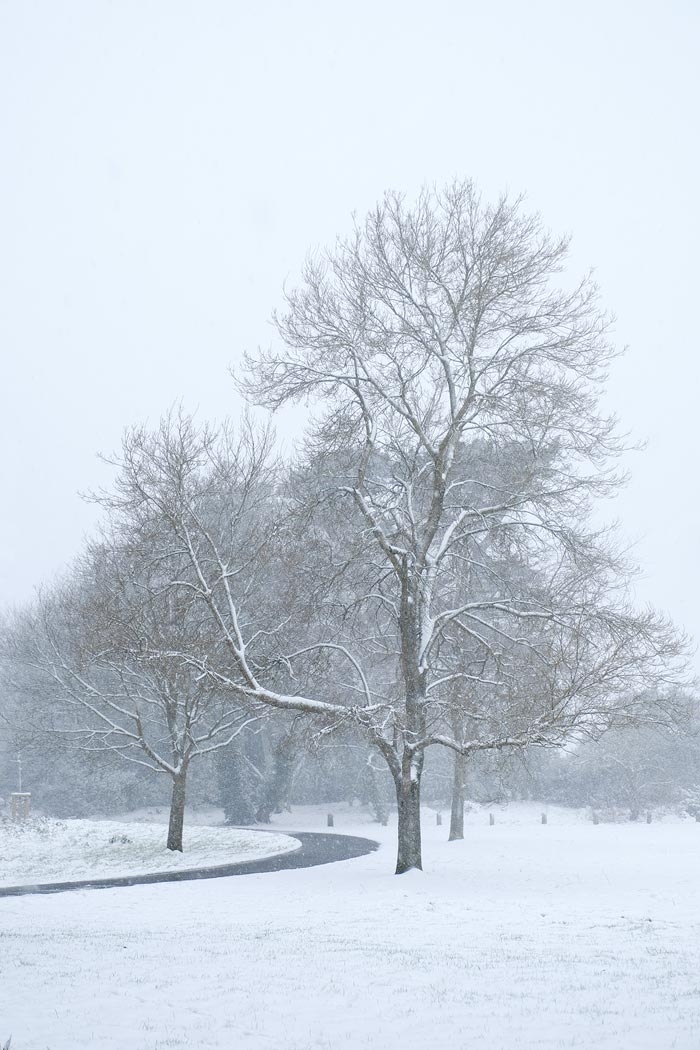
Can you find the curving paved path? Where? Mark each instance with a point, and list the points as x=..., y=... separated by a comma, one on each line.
x=316, y=848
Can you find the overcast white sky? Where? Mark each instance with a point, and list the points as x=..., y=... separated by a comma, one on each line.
x=166, y=165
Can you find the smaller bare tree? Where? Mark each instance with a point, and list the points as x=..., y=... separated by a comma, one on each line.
x=102, y=649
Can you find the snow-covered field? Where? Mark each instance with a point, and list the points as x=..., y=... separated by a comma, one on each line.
x=522, y=936
x=44, y=850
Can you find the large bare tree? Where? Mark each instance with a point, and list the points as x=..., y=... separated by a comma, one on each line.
x=431, y=330
x=428, y=575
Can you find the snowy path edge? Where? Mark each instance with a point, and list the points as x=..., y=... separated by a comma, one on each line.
x=315, y=848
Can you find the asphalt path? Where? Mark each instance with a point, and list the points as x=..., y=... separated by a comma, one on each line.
x=316, y=848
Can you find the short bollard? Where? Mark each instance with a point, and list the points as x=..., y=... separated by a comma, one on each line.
x=544, y=818
x=329, y=820
x=492, y=819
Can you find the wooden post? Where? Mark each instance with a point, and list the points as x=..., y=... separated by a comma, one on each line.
x=492, y=819
x=438, y=819
x=329, y=820
x=544, y=818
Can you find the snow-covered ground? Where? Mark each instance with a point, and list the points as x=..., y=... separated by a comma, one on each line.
x=522, y=936
x=43, y=850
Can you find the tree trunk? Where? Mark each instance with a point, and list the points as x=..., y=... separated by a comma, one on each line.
x=237, y=790
x=408, y=780
x=458, y=790
x=177, y=810
x=408, y=802
x=374, y=797
x=278, y=786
